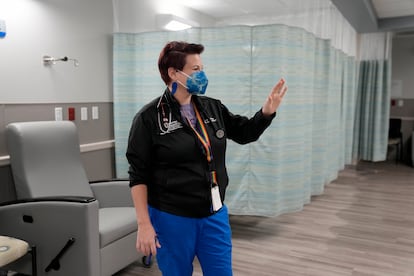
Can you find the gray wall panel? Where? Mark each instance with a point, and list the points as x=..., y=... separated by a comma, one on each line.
x=89, y=131
x=7, y=192
x=99, y=165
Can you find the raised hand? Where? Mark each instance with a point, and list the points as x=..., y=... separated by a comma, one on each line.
x=275, y=97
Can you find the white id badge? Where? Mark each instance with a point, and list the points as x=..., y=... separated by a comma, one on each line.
x=215, y=197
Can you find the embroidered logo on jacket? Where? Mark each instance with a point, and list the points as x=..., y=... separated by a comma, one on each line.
x=211, y=119
x=168, y=126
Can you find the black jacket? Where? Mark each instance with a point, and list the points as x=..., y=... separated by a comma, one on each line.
x=165, y=154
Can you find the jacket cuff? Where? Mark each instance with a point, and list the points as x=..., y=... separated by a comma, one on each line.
x=267, y=117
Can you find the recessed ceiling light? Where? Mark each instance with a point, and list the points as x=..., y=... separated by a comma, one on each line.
x=175, y=25
x=172, y=22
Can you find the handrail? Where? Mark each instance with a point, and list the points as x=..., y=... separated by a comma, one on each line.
x=107, y=144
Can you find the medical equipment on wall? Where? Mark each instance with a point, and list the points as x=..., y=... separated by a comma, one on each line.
x=49, y=61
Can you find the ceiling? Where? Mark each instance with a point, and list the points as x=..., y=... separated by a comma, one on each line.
x=394, y=8
x=378, y=15
x=221, y=9
x=364, y=15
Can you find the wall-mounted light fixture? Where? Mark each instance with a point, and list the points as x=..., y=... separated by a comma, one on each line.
x=171, y=22
x=49, y=61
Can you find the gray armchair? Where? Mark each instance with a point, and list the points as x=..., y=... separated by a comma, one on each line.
x=78, y=228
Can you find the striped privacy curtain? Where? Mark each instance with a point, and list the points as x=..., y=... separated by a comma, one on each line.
x=373, y=101
x=309, y=141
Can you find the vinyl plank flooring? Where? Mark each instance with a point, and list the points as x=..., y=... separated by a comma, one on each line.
x=363, y=224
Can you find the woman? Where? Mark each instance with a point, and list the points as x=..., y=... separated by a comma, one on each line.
x=176, y=151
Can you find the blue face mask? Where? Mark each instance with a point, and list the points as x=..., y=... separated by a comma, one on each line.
x=196, y=83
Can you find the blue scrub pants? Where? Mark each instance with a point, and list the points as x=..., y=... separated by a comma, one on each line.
x=183, y=238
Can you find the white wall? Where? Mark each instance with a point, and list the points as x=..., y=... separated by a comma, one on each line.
x=80, y=29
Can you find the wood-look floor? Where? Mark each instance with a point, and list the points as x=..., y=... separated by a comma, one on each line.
x=363, y=224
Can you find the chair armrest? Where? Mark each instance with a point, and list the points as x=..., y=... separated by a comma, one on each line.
x=112, y=193
x=49, y=224
x=78, y=199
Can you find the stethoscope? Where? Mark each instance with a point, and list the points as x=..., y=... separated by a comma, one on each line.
x=165, y=122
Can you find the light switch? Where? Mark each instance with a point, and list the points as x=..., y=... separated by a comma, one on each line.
x=58, y=114
x=84, y=113
x=95, y=113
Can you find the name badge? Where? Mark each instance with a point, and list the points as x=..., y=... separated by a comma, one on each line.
x=215, y=197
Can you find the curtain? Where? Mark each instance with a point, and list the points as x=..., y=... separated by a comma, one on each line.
x=309, y=141
x=373, y=102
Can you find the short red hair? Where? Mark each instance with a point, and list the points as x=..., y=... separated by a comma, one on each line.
x=174, y=55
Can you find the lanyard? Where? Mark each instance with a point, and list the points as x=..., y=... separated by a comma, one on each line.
x=205, y=141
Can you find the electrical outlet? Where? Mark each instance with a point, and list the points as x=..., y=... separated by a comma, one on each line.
x=95, y=113
x=58, y=114
x=84, y=113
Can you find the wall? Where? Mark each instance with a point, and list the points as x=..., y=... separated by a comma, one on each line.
x=30, y=91
x=77, y=29
x=402, y=104
x=403, y=66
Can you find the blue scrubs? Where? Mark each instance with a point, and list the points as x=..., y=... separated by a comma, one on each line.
x=183, y=238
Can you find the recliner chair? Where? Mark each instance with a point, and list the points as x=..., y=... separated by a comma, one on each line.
x=395, y=137
x=78, y=228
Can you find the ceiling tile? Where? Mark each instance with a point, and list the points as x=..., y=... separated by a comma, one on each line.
x=394, y=8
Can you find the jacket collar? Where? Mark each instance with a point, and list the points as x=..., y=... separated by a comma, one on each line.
x=169, y=99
